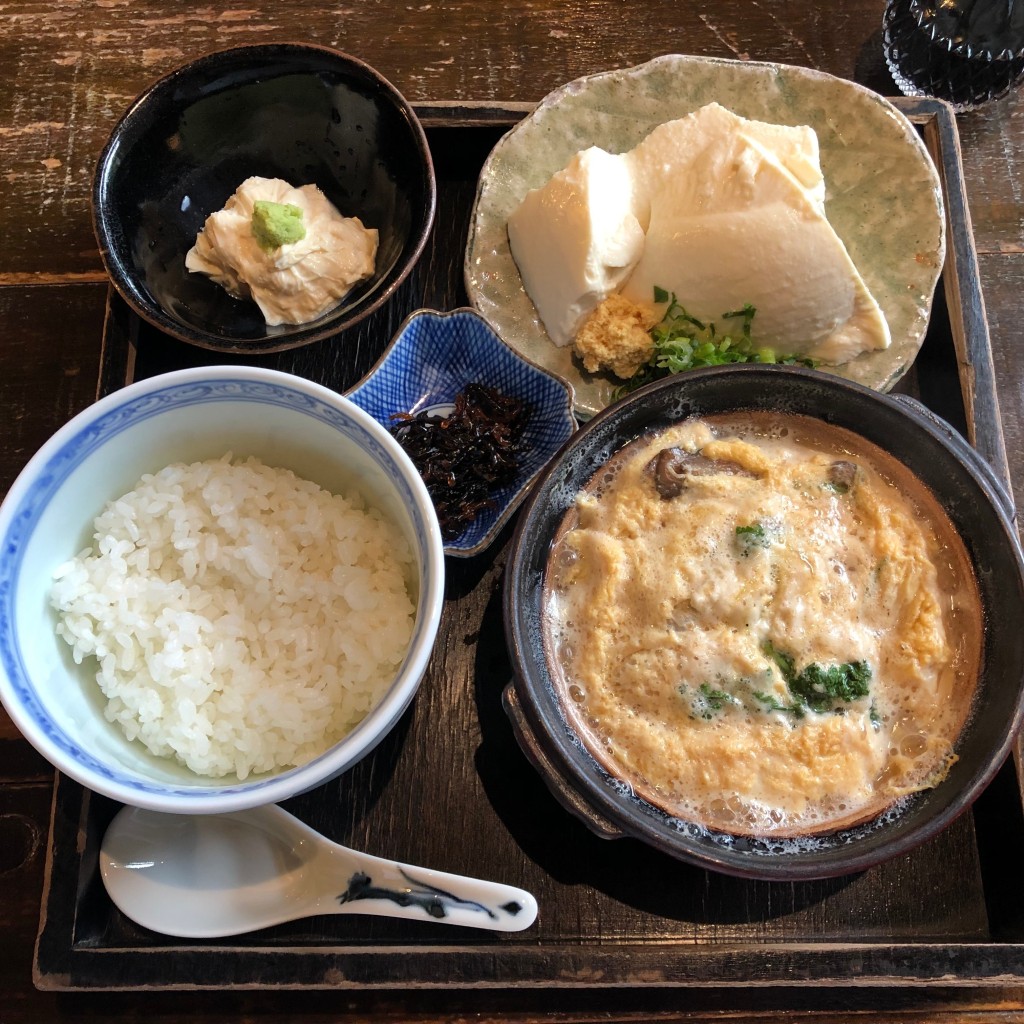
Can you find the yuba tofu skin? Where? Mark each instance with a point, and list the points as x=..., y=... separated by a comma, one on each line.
x=296, y=281
x=576, y=240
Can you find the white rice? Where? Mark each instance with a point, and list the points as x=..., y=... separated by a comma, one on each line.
x=243, y=619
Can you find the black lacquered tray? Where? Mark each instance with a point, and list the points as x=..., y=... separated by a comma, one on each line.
x=449, y=788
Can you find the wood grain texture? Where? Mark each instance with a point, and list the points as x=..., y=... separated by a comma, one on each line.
x=994, y=165
x=67, y=72
x=77, y=65
x=1001, y=278
x=49, y=333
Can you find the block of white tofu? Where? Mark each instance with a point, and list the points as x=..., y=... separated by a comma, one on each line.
x=671, y=149
x=576, y=240
x=721, y=210
x=738, y=227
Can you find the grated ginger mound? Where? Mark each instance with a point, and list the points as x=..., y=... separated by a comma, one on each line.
x=616, y=337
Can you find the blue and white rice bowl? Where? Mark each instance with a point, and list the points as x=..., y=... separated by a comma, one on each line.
x=189, y=416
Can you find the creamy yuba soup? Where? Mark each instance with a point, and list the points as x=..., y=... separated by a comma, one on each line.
x=764, y=624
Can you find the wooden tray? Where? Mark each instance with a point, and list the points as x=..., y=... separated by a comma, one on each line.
x=450, y=788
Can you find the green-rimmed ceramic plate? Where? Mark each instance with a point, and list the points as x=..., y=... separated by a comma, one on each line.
x=882, y=193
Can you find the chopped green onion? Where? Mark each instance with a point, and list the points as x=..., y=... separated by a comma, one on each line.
x=682, y=342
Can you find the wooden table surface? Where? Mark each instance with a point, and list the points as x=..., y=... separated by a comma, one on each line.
x=67, y=72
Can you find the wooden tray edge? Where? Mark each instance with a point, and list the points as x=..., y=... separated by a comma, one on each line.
x=58, y=966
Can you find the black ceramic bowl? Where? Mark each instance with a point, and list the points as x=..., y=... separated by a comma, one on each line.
x=303, y=113
x=974, y=500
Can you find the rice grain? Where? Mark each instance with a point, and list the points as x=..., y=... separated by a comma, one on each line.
x=242, y=619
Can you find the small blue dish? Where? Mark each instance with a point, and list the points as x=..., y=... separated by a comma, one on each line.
x=430, y=360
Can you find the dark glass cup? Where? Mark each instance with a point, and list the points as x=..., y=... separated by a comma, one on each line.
x=965, y=51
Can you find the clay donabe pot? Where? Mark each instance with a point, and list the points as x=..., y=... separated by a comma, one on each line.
x=973, y=498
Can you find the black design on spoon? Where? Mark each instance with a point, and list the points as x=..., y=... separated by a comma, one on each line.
x=432, y=900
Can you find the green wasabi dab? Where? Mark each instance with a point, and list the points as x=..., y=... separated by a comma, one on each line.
x=276, y=224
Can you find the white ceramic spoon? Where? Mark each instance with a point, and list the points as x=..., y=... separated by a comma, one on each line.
x=204, y=876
